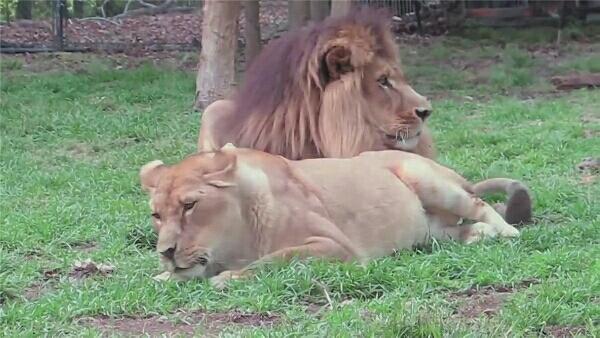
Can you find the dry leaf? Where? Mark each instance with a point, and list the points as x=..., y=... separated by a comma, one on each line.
x=162, y=277
x=86, y=268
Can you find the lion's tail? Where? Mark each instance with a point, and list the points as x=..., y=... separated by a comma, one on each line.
x=518, y=203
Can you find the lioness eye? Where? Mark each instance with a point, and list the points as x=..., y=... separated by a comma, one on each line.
x=383, y=81
x=156, y=215
x=188, y=206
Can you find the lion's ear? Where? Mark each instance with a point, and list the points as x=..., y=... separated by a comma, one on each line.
x=150, y=173
x=338, y=61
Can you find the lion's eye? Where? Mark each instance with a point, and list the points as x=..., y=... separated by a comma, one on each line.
x=384, y=82
x=156, y=215
x=188, y=206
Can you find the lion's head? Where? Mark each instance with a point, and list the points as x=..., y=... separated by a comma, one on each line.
x=196, y=212
x=332, y=89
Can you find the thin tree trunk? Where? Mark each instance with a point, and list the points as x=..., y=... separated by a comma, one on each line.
x=24, y=9
x=319, y=9
x=252, y=29
x=298, y=13
x=216, y=69
x=340, y=7
x=78, y=6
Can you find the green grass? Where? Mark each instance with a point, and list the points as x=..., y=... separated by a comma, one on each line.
x=72, y=145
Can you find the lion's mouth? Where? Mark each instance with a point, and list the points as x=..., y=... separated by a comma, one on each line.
x=178, y=269
x=396, y=137
x=403, y=143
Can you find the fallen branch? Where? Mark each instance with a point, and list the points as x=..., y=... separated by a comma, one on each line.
x=325, y=292
x=20, y=50
x=576, y=81
x=155, y=11
x=102, y=7
x=6, y=48
x=98, y=18
x=141, y=2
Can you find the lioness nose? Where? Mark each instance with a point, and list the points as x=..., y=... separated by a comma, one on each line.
x=169, y=253
x=422, y=112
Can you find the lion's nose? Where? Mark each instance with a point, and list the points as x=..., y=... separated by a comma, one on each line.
x=423, y=112
x=169, y=253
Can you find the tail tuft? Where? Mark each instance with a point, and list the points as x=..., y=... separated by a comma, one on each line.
x=518, y=203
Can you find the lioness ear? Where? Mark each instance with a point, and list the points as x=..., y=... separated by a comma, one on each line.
x=150, y=173
x=228, y=146
x=224, y=175
x=338, y=62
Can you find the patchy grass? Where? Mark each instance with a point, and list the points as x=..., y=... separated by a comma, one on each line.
x=73, y=142
x=586, y=64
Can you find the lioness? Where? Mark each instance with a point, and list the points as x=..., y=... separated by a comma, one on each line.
x=219, y=213
x=333, y=89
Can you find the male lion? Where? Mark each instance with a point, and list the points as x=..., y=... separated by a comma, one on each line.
x=219, y=213
x=332, y=89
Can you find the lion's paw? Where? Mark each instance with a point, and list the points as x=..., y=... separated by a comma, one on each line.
x=508, y=231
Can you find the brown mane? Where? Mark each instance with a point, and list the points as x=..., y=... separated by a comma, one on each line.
x=278, y=106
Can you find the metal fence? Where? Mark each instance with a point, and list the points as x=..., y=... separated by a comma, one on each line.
x=155, y=25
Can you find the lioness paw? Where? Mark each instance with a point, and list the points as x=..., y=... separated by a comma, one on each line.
x=162, y=277
x=220, y=281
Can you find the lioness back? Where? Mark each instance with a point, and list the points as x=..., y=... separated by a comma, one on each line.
x=357, y=192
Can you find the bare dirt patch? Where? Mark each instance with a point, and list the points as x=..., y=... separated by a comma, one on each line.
x=589, y=169
x=487, y=300
x=85, y=247
x=590, y=123
x=37, y=290
x=564, y=331
x=82, y=150
x=50, y=274
x=185, y=324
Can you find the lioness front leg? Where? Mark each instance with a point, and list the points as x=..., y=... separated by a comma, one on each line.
x=314, y=247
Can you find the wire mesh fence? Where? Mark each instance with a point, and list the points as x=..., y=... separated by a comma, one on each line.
x=153, y=25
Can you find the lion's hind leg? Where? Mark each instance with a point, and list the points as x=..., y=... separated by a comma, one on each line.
x=455, y=200
x=441, y=189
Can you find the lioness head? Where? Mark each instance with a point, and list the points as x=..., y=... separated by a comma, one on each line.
x=364, y=86
x=196, y=213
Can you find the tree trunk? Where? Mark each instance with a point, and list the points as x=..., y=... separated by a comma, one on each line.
x=319, y=10
x=78, y=6
x=216, y=69
x=24, y=9
x=340, y=7
x=252, y=29
x=298, y=13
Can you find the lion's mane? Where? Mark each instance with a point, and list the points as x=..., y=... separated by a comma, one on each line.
x=288, y=105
